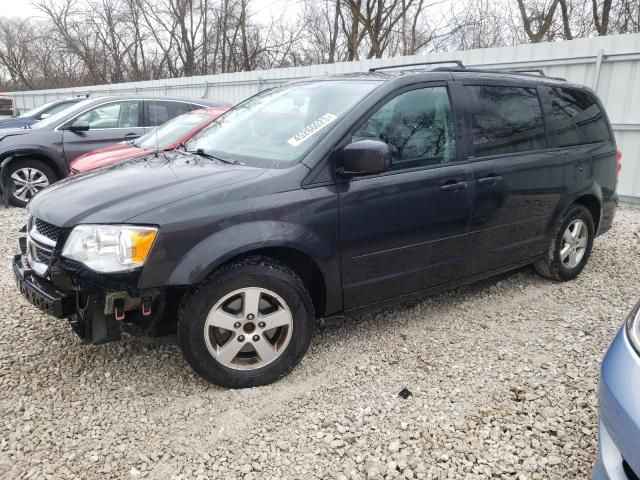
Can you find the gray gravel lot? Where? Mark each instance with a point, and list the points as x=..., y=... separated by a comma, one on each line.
x=503, y=375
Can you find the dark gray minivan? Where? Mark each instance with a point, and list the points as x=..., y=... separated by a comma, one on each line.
x=319, y=198
x=39, y=155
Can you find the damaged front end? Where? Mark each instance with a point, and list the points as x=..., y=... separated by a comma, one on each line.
x=98, y=306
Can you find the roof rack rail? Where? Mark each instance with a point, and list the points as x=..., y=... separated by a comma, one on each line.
x=525, y=73
x=539, y=71
x=436, y=62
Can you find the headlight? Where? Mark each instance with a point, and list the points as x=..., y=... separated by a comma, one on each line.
x=110, y=248
x=633, y=328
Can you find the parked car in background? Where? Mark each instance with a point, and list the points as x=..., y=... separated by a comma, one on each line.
x=6, y=106
x=34, y=115
x=619, y=405
x=36, y=157
x=166, y=137
x=319, y=198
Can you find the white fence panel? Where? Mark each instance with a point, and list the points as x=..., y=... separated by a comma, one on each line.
x=610, y=65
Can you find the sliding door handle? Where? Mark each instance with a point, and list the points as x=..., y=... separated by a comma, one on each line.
x=453, y=186
x=490, y=180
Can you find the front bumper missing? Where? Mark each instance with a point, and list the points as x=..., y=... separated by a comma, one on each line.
x=42, y=293
x=88, y=321
x=98, y=306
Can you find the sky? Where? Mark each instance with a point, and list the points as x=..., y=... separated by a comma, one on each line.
x=260, y=8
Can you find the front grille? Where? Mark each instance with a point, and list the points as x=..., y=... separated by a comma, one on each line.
x=39, y=254
x=50, y=231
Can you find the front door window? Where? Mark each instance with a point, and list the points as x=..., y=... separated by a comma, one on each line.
x=418, y=127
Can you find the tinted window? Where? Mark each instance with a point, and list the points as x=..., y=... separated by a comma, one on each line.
x=576, y=118
x=417, y=126
x=112, y=115
x=505, y=120
x=161, y=111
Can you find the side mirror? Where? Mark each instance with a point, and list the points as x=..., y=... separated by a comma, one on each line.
x=43, y=116
x=364, y=157
x=79, y=126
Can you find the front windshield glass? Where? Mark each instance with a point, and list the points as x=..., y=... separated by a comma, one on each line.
x=169, y=133
x=60, y=116
x=277, y=127
x=35, y=111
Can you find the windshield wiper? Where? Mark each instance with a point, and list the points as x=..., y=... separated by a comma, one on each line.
x=201, y=153
x=182, y=149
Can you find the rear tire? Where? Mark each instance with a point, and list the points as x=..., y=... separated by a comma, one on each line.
x=224, y=326
x=570, y=246
x=26, y=178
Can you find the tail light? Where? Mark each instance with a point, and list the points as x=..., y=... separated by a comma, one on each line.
x=618, y=163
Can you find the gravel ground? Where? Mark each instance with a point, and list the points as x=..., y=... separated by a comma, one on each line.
x=503, y=375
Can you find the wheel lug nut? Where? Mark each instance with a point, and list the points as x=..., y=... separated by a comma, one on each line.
x=241, y=338
x=236, y=325
x=250, y=316
x=256, y=338
x=262, y=324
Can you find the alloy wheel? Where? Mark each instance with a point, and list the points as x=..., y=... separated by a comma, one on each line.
x=574, y=243
x=28, y=181
x=248, y=328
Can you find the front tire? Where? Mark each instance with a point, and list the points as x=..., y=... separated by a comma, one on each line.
x=248, y=325
x=26, y=178
x=570, y=246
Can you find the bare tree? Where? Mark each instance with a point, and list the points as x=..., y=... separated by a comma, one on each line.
x=538, y=21
x=85, y=42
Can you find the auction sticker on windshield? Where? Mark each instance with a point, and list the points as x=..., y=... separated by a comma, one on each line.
x=309, y=130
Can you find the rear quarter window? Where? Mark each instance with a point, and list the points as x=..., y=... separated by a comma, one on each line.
x=505, y=119
x=575, y=117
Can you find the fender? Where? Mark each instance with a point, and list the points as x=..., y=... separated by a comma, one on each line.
x=592, y=189
x=15, y=154
x=244, y=238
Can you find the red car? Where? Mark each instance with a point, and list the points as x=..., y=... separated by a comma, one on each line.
x=166, y=137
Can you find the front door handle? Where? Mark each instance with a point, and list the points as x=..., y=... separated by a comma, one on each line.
x=453, y=186
x=490, y=180
x=131, y=136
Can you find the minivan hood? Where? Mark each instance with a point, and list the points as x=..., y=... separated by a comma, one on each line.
x=118, y=192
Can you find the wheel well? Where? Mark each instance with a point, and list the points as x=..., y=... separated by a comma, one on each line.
x=592, y=204
x=304, y=266
x=36, y=156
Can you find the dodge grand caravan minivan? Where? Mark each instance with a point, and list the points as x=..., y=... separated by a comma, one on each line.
x=319, y=198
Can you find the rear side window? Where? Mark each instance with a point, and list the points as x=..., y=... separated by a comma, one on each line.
x=576, y=118
x=161, y=111
x=505, y=119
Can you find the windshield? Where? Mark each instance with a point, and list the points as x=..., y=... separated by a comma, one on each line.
x=276, y=128
x=171, y=132
x=60, y=116
x=35, y=111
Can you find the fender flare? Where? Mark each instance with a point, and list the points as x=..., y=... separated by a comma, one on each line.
x=15, y=154
x=593, y=189
x=213, y=251
x=5, y=180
